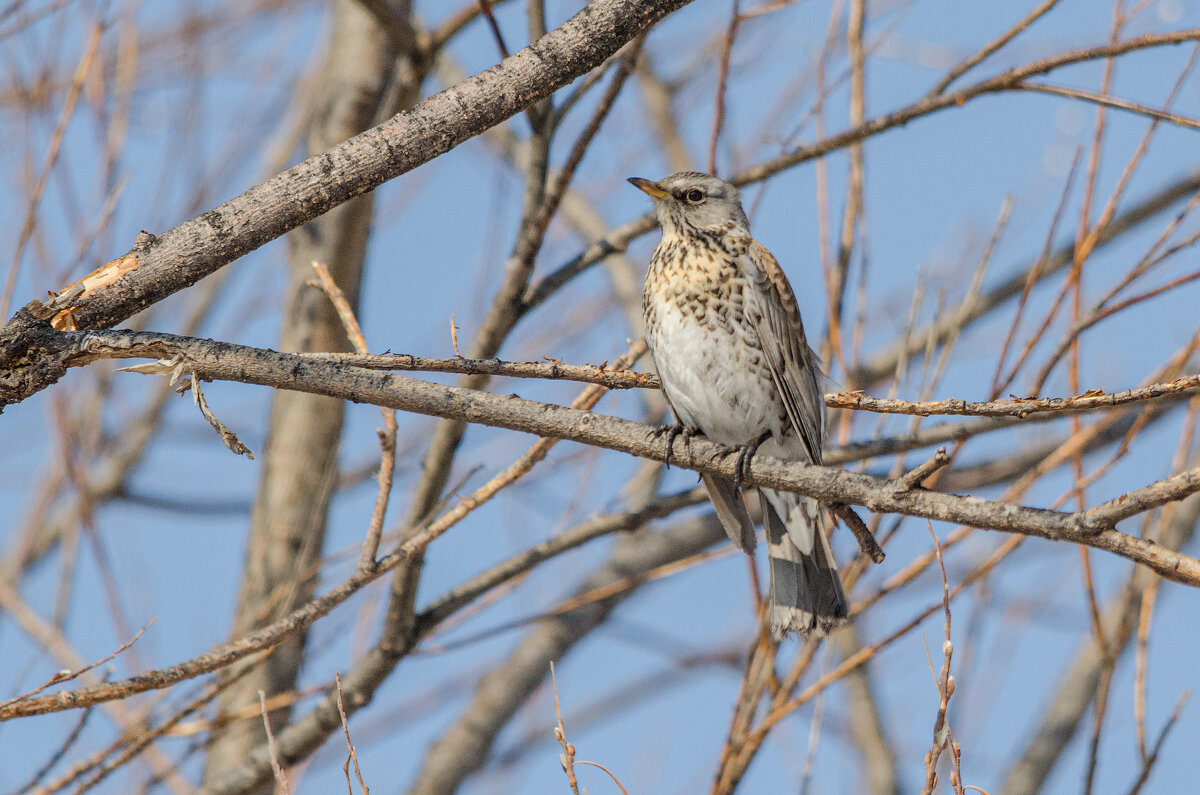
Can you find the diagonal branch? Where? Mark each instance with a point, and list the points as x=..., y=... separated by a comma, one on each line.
x=225, y=361
x=162, y=265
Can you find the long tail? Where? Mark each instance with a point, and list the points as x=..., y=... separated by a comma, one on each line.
x=806, y=590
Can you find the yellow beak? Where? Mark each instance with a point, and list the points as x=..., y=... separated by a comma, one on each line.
x=649, y=187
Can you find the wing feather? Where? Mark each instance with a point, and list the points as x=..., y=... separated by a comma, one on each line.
x=771, y=307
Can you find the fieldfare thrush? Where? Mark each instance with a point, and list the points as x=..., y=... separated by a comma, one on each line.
x=727, y=339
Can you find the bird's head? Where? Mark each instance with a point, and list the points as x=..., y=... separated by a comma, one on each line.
x=690, y=201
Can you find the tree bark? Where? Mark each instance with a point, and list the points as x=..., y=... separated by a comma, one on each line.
x=159, y=266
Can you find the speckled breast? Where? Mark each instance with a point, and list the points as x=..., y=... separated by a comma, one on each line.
x=706, y=352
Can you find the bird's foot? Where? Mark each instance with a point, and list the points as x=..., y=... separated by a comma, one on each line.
x=741, y=469
x=672, y=432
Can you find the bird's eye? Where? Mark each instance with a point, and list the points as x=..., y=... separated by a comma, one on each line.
x=694, y=196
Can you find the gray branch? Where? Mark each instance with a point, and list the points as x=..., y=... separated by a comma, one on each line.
x=160, y=266
x=1078, y=684
x=465, y=747
x=224, y=361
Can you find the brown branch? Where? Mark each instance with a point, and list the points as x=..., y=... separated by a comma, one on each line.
x=485, y=8
x=387, y=436
x=718, y=121
x=1112, y=102
x=602, y=375
x=1010, y=34
x=1009, y=80
x=220, y=360
x=942, y=738
x=1075, y=693
x=457, y=21
x=276, y=768
x=1015, y=407
x=628, y=379
x=560, y=733
x=66, y=676
x=352, y=754
x=920, y=473
x=1148, y=763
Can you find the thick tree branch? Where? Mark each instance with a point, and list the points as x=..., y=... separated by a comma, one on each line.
x=1075, y=692
x=224, y=361
x=162, y=265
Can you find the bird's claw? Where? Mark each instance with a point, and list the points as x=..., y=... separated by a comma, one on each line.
x=741, y=468
x=672, y=432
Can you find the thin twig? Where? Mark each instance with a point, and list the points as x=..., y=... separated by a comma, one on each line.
x=352, y=755
x=942, y=738
x=485, y=7
x=387, y=436
x=228, y=437
x=615, y=378
x=866, y=539
x=280, y=778
x=916, y=476
x=991, y=47
x=567, y=758
x=1014, y=407
x=722, y=81
x=1148, y=765
x=66, y=676
x=1113, y=102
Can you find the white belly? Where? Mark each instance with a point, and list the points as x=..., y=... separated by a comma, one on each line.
x=714, y=379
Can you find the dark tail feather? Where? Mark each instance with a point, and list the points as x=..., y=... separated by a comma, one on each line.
x=731, y=510
x=806, y=590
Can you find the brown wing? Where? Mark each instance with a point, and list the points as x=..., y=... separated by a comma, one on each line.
x=771, y=307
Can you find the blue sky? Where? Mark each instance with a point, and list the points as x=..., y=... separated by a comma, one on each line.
x=933, y=191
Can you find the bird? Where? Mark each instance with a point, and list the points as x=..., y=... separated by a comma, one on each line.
x=724, y=328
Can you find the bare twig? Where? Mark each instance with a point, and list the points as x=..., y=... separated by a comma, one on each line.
x=993, y=46
x=942, y=738
x=610, y=377
x=352, y=755
x=1013, y=407
x=227, y=436
x=1148, y=763
x=66, y=676
x=485, y=6
x=862, y=533
x=387, y=436
x=279, y=370
x=718, y=121
x=567, y=758
x=280, y=778
x=1113, y=102
x=916, y=476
